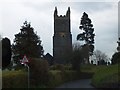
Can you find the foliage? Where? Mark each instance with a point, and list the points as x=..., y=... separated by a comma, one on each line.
x=85, y=54
x=14, y=79
x=87, y=34
x=88, y=30
x=60, y=67
x=88, y=68
x=58, y=77
x=106, y=77
x=116, y=58
x=27, y=43
x=6, y=52
x=76, y=57
x=39, y=69
x=40, y=80
x=55, y=78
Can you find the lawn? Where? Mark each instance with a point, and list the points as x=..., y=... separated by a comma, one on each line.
x=88, y=68
x=106, y=77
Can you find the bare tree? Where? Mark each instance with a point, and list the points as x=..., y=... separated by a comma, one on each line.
x=100, y=57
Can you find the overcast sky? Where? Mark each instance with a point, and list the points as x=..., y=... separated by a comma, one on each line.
x=104, y=16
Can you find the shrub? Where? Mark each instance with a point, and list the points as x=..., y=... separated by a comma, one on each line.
x=116, y=58
x=14, y=79
x=55, y=78
x=68, y=67
x=57, y=67
x=61, y=66
x=58, y=77
x=39, y=72
x=76, y=57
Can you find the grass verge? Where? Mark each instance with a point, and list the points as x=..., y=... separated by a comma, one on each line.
x=106, y=77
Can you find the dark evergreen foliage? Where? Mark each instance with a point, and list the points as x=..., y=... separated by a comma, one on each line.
x=6, y=52
x=76, y=57
x=27, y=42
x=87, y=35
x=116, y=58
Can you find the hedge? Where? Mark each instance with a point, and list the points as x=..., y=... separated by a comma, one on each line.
x=14, y=79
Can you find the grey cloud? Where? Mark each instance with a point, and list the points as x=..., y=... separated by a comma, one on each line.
x=41, y=18
x=87, y=6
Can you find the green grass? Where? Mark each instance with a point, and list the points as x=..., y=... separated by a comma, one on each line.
x=106, y=76
x=88, y=68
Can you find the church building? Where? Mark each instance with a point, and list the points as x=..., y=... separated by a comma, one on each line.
x=62, y=39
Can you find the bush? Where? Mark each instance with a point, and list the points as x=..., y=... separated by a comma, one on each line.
x=39, y=72
x=58, y=77
x=116, y=58
x=68, y=67
x=55, y=78
x=70, y=75
x=61, y=67
x=57, y=67
x=76, y=57
x=14, y=79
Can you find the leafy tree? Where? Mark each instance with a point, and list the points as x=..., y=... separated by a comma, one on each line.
x=26, y=42
x=76, y=59
x=87, y=34
x=116, y=58
x=85, y=53
x=118, y=48
x=6, y=52
x=39, y=72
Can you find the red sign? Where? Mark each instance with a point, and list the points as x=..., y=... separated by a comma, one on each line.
x=24, y=60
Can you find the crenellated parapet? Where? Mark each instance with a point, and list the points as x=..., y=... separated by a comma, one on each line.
x=56, y=16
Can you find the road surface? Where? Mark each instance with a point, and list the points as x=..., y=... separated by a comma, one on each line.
x=84, y=83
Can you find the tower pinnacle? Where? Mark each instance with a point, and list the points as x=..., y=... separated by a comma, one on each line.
x=68, y=12
x=55, y=12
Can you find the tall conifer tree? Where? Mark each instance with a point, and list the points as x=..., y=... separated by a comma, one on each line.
x=6, y=52
x=87, y=34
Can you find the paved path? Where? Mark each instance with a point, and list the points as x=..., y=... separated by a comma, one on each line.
x=84, y=83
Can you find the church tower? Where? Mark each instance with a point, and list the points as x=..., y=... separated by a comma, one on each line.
x=62, y=39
